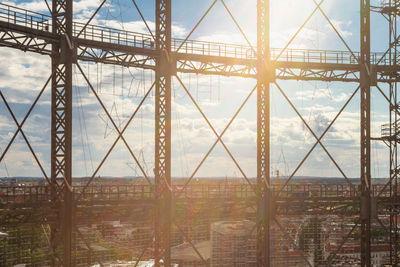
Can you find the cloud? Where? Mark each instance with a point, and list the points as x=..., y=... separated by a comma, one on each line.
x=122, y=90
x=321, y=94
x=340, y=25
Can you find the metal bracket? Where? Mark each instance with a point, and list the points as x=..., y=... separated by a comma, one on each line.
x=365, y=209
x=168, y=63
x=67, y=46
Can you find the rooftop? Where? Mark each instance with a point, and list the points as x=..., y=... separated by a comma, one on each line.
x=233, y=227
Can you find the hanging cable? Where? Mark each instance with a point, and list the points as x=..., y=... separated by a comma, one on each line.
x=114, y=81
x=86, y=131
x=144, y=83
x=197, y=90
x=174, y=89
x=132, y=79
x=97, y=83
x=88, y=68
x=219, y=89
x=211, y=88
x=189, y=86
x=4, y=164
x=74, y=77
x=101, y=76
x=182, y=143
x=122, y=81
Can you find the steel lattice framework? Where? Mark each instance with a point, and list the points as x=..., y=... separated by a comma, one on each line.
x=68, y=43
x=61, y=129
x=163, y=219
x=365, y=121
x=263, y=133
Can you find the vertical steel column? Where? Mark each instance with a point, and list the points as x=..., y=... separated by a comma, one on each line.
x=393, y=136
x=61, y=130
x=394, y=171
x=263, y=131
x=163, y=217
x=365, y=108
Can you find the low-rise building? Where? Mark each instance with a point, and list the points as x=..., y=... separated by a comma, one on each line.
x=233, y=243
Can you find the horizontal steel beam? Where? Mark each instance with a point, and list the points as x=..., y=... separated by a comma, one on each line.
x=31, y=31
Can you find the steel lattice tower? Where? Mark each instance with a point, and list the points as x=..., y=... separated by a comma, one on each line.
x=68, y=43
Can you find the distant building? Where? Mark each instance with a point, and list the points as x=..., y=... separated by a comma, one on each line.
x=141, y=237
x=349, y=255
x=118, y=263
x=233, y=244
x=95, y=253
x=184, y=254
x=290, y=258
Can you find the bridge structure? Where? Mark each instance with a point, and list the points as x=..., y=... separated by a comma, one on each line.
x=69, y=43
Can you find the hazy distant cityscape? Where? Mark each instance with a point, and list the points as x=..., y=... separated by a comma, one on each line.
x=223, y=236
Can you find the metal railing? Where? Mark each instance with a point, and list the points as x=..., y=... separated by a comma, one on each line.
x=37, y=21
x=24, y=194
x=316, y=190
x=237, y=191
x=322, y=56
x=113, y=36
x=213, y=49
x=32, y=194
x=26, y=18
x=388, y=130
x=114, y=192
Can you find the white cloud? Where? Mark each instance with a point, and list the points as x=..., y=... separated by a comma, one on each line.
x=191, y=135
x=340, y=27
x=321, y=94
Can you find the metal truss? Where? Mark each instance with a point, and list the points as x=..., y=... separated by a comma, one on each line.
x=389, y=132
x=365, y=139
x=61, y=132
x=112, y=46
x=67, y=42
x=264, y=77
x=164, y=70
x=25, y=42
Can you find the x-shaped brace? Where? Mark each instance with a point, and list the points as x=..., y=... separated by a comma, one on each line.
x=219, y=137
x=318, y=140
x=119, y=132
x=318, y=7
x=20, y=125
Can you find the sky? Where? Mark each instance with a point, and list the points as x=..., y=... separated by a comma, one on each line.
x=122, y=89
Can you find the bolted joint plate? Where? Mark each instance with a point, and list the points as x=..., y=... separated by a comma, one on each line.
x=374, y=203
x=67, y=50
x=266, y=72
x=372, y=79
x=368, y=207
x=167, y=64
x=373, y=76
x=267, y=208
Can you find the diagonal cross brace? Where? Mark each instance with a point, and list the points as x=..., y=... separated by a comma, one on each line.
x=144, y=20
x=291, y=240
x=238, y=26
x=298, y=30
x=219, y=137
x=23, y=134
x=191, y=244
x=315, y=136
x=318, y=7
x=232, y=17
x=90, y=19
x=197, y=24
x=332, y=256
x=336, y=31
x=120, y=133
x=26, y=117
